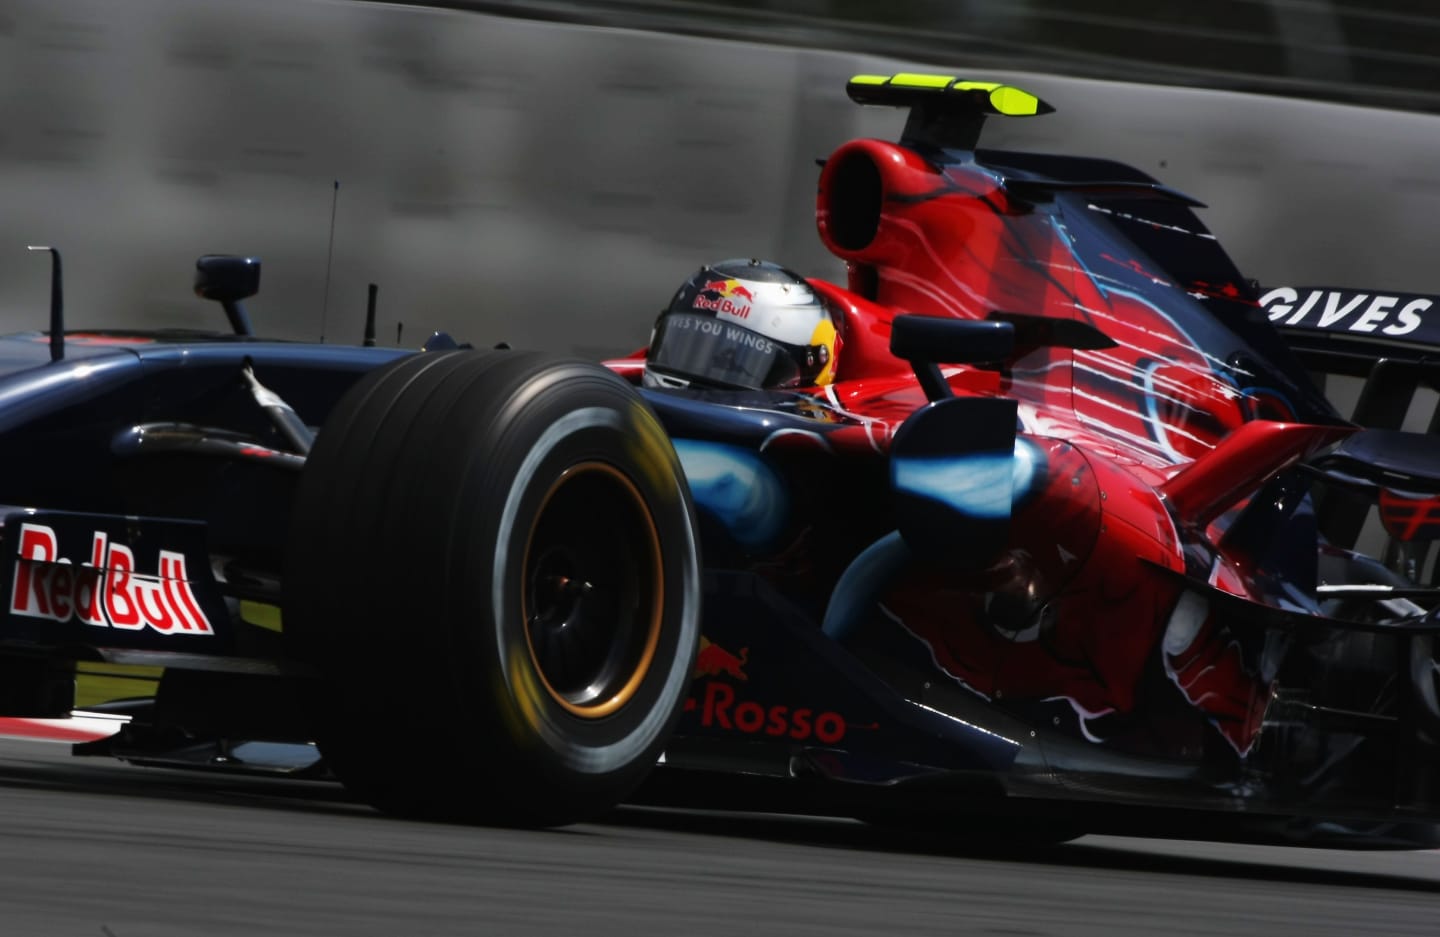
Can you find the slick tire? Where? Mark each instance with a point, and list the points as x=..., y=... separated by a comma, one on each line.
x=494, y=564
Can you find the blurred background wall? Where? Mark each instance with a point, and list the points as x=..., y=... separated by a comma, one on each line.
x=539, y=173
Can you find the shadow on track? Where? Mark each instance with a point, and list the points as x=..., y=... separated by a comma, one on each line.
x=1250, y=863
x=51, y=767
x=25, y=766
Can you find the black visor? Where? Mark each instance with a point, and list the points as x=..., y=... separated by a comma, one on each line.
x=709, y=350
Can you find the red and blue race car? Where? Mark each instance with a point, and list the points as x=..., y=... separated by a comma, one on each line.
x=1058, y=535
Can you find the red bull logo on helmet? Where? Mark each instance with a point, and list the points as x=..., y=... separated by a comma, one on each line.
x=725, y=297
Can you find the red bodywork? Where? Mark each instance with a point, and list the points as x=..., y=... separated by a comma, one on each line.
x=1145, y=445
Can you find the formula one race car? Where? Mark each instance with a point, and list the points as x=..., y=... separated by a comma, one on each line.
x=1039, y=527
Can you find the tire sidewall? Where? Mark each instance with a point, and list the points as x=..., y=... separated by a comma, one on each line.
x=564, y=423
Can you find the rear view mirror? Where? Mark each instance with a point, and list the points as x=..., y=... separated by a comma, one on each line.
x=227, y=279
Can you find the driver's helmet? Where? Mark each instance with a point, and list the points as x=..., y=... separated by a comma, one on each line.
x=744, y=324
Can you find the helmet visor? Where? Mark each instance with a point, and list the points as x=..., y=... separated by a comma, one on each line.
x=705, y=349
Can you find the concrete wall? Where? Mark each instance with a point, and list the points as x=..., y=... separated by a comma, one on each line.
x=549, y=185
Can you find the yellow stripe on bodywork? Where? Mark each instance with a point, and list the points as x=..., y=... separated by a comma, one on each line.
x=97, y=683
x=261, y=615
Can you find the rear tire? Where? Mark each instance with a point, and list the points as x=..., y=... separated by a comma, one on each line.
x=494, y=562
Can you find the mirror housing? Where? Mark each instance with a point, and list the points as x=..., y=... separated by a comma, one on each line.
x=227, y=279
x=929, y=341
x=223, y=277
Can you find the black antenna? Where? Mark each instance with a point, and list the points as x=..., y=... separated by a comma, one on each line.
x=329, y=255
x=399, y=330
x=57, y=305
x=370, y=318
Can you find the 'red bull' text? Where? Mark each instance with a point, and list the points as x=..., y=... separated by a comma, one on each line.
x=106, y=592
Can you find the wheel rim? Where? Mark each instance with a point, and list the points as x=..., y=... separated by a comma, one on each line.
x=593, y=595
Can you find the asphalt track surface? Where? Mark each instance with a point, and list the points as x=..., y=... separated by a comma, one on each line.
x=94, y=847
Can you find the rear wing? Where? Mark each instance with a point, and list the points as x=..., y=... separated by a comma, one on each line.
x=1376, y=356
x=1344, y=331
x=1389, y=341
